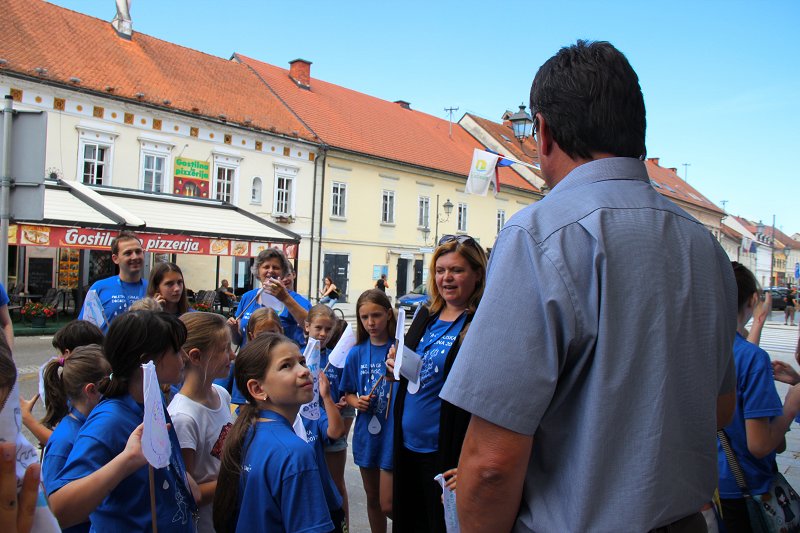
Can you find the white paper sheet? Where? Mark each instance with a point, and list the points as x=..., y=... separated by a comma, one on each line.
x=311, y=409
x=155, y=438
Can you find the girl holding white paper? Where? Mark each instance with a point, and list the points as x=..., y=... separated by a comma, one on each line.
x=201, y=410
x=367, y=390
x=319, y=325
x=71, y=389
x=269, y=479
x=105, y=477
x=429, y=431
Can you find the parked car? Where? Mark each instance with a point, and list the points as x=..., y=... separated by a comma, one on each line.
x=778, y=295
x=411, y=301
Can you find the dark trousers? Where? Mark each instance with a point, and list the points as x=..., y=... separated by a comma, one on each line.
x=694, y=523
x=735, y=515
x=418, y=500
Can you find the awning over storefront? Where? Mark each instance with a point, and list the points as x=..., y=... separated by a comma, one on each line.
x=77, y=216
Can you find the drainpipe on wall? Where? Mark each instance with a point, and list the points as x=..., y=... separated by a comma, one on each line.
x=313, y=220
x=321, y=206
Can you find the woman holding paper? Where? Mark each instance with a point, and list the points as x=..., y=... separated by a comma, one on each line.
x=428, y=431
x=270, y=267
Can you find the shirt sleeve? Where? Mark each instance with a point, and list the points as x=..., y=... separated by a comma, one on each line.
x=349, y=383
x=3, y=296
x=88, y=455
x=187, y=430
x=509, y=380
x=759, y=397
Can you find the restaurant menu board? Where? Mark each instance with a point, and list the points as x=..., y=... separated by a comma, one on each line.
x=40, y=274
x=68, y=261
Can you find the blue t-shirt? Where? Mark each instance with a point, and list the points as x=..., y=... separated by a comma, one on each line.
x=317, y=436
x=127, y=508
x=280, y=485
x=374, y=432
x=756, y=397
x=290, y=329
x=3, y=296
x=116, y=296
x=421, y=410
x=55, y=456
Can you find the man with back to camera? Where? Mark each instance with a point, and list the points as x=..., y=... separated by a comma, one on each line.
x=599, y=412
x=117, y=293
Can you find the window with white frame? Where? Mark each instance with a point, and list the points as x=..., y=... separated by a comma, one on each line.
x=225, y=176
x=283, y=204
x=255, y=190
x=154, y=161
x=501, y=219
x=338, y=199
x=387, y=208
x=223, y=188
x=462, y=217
x=95, y=154
x=423, y=212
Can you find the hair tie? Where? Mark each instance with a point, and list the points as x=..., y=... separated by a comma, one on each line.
x=60, y=361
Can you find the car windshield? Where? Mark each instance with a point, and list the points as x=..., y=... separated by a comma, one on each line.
x=420, y=289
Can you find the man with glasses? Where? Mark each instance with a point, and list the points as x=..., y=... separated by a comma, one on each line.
x=598, y=366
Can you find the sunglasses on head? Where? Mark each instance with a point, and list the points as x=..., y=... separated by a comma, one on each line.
x=460, y=239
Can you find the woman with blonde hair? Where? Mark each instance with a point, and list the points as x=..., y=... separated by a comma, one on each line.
x=428, y=431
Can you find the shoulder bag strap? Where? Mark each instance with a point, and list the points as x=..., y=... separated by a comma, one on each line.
x=736, y=470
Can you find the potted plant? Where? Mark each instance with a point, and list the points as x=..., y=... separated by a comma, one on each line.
x=202, y=307
x=37, y=313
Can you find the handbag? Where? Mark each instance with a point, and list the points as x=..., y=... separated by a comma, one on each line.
x=775, y=511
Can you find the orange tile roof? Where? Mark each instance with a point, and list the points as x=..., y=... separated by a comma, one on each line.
x=356, y=122
x=69, y=44
x=668, y=183
x=730, y=232
x=782, y=240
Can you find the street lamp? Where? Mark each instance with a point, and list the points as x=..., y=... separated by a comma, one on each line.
x=448, y=208
x=522, y=124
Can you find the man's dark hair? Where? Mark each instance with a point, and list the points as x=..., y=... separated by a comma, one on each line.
x=591, y=99
x=124, y=235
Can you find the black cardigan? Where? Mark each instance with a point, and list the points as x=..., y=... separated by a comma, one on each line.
x=453, y=421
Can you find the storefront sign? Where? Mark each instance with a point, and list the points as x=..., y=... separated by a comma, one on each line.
x=61, y=237
x=192, y=177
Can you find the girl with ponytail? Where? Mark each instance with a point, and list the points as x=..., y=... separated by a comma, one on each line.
x=201, y=410
x=105, y=477
x=269, y=479
x=71, y=389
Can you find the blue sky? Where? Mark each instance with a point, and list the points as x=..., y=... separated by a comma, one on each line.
x=721, y=79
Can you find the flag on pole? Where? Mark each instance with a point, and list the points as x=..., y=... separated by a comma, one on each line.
x=400, y=334
x=155, y=438
x=310, y=410
x=482, y=172
x=339, y=354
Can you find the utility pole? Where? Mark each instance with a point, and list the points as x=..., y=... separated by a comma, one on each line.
x=772, y=254
x=450, y=111
x=686, y=171
x=724, y=203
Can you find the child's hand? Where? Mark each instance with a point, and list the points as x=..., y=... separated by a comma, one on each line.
x=342, y=403
x=785, y=373
x=133, y=449
x=363, y=403
x=450, y=478
x=26, y=406
x=16, y=513
x=324, y=385
x=390, y=359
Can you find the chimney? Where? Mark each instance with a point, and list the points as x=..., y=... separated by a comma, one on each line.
x=122, y=22
x=674, y=170
x=653, y=160
x=300, y=72
x=403, y=104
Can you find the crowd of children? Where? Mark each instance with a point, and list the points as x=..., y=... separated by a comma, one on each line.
x=251, y=462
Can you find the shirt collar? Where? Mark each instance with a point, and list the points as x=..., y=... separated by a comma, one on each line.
x=609, y=168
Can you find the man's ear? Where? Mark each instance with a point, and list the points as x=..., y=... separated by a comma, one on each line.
x=115, y=258
x=546, y=141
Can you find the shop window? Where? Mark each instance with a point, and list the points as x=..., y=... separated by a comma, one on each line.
x=338, y=199
x=387, y=207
